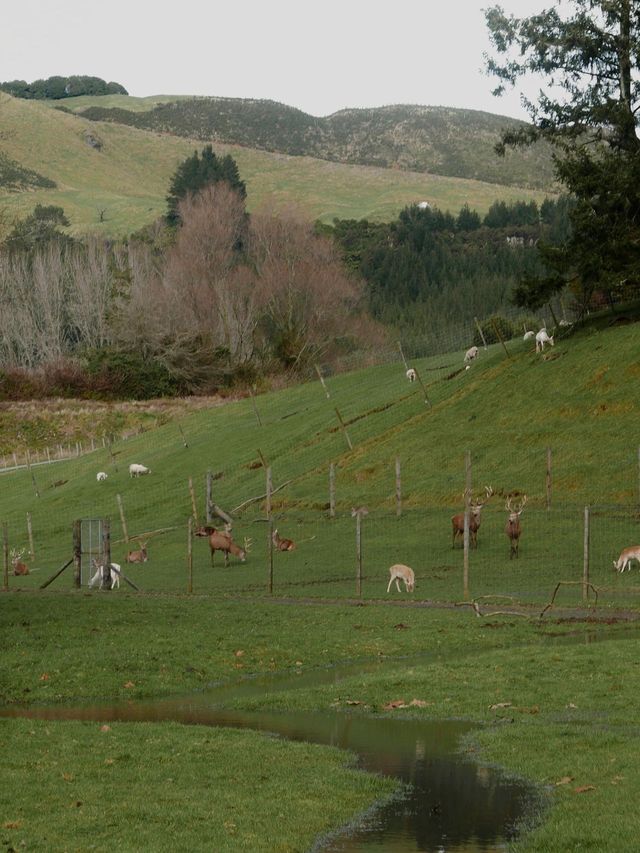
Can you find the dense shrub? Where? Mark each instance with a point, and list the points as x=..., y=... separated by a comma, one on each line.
x=489, y=326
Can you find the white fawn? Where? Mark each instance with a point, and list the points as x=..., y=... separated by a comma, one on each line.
x=401, y=573
x=624, y=560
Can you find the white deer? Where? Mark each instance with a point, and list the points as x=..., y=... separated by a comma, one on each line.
x=543, y=338
x=399, y=573
x=624, y=560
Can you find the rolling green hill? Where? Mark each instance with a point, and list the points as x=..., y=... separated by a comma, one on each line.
x=112, y=179
x=438, y=140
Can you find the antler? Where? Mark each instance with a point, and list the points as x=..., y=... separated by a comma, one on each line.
x=248, y=542
x=519, y=507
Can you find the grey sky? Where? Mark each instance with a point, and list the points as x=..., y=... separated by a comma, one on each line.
x=319, y=57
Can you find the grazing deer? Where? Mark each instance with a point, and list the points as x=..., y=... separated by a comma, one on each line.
x=281, y=544
x=223, y=542
x=138, y=556
x=399, y=573
x=512, y=527
x=624, y=560
x=457, y=521
x=19, y=568
x=98, y=577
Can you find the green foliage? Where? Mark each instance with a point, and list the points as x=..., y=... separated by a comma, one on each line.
x=494, y=328
x=15, y=177
x=197, y=172
x=592, y=55
x=38, y=229
x=129, y=375
x=57, y=88
x=438, y=140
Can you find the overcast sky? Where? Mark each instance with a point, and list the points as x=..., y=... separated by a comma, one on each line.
x=317, y=56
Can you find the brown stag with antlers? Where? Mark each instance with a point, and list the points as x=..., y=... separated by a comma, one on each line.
x=513, y=528
x=457, y=521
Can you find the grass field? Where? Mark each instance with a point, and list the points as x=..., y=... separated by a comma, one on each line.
x=127, y=179
x=555, y=696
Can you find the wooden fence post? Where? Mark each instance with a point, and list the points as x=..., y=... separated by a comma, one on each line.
x=106, y=553
x=253, y=403
x=32, y=551
x=332, y=490
x=548, y=479
x=585, y=558
x=77, y=553
x=322, y=382
x=344, y=429
x=33, y=479
x=209, y=497
x=123, y=520
x=479, y=328
x=499, y=336
x=190, y=555
x=270, y=580
x=467, y=520
x=194, y=508
x=404, y=360
x=358, y=554
x=398, y=488
x=5, y=554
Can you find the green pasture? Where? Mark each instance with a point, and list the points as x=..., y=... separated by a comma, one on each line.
x=122, y=187
x=576, y=402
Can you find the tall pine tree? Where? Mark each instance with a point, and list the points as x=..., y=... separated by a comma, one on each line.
x=197, y=172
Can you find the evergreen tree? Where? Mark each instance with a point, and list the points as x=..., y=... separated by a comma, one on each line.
x=198, y=171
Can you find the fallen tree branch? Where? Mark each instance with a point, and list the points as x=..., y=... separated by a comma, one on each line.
x=587, y=584
x=259, y=497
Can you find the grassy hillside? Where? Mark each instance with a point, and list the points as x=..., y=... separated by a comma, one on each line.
x=439, y=140
x=121, y=174
x=507, y=411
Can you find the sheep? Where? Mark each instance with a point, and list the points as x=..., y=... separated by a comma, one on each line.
x=528, y=335
x=411, y=374
x=138, y=556
x=471, y=353
x=399, y=573
x=222, y=542
x=97, y=578
x=624, y=560
x=282, y=544
x=101, y=475
x=136, y=470
x=543, y=338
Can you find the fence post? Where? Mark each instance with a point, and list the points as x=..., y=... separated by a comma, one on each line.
x=499, y=336
x=467, y=520
x=123, y=520
x=252, y=391
x=270, y=580
x=209, y=497
x=5, y=553
x=332, y=490
x=194, y=508
x=585, y=559
x=33, y=479
x=398, y=488
x=479, y=328
x=190, y=555
x=638, y=475
x=548, y=479
x=344, y=429
x=106, y=553
x=322, y=382
x=404, y=360
x=77, y=553
x=269, y=490
x=359, y=554
x=30, y=535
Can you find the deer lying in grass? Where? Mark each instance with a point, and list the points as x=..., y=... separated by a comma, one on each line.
x=512, y=527
x=399, y=573
x=138, y=556
x=281, y=544
x=457, y=521
x=624, y=560
x=19, y=568
x=223, y=542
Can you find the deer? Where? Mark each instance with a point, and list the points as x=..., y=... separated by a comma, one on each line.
x=19, y=568
x=282, y=544
x=457, y=521
x=398, y=573
x=139, y=556
x=98, y=577
x=626, y=555
x=512, y=527
x=219, y=541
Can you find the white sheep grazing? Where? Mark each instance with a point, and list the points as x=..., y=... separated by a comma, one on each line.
x=97, y=578
x=528, y=335
x=411, y=375
x=404, y=573
x=543, y=338
x=471, y=353
x=101, y=475
x=136, y=470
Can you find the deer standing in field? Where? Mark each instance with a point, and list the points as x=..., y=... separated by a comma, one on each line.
x=219, y=541
x=399, y=573
x=624, y=560
x=281, y=544
x=512, y=527
x=457, y=521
